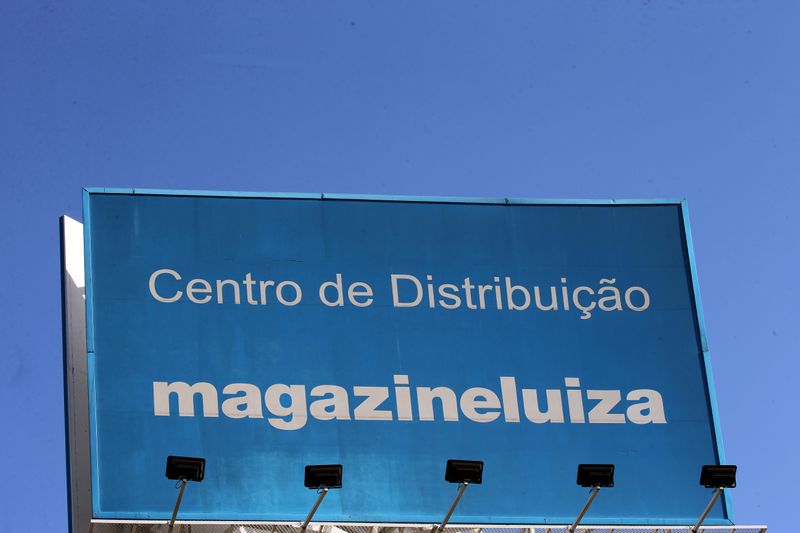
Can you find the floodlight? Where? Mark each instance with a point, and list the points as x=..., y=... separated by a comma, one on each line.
x=322, y=478
x=596, y=475
x=464, y=473
x=716, y=476
x=458, y=471
x=327, y=476
x=184, y=469
x=188, y=468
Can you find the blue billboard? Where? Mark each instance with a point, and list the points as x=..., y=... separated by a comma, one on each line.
x=267, y=332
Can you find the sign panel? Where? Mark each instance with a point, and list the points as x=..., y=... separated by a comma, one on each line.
x=269, y=333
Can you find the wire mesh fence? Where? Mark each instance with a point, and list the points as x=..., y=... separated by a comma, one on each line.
x=206, y=527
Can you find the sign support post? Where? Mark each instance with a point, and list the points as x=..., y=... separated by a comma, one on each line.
x=592, y=496
x=177, y=505
x=714, y=498
x=460, y=493
x=322, y=494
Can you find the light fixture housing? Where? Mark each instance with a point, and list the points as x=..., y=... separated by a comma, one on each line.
x=462, y=471
x=595, y=475
x=718, y=476
x=188, y=468
x=323, y=476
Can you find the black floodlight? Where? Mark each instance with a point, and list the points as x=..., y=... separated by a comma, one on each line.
x=459, y=471
x=323, y=476
x=465, y=473
x=186, y=468
x=596, y=475
x=716, y=476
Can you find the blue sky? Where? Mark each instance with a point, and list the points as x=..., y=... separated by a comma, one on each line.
x=695, y=100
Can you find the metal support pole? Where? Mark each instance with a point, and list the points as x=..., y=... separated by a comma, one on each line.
x=714, y=498
x=177, y=505
x=321, y=497
x=460, y=493
x=592, y=496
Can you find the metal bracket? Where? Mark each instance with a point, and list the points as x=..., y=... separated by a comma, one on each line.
x=322, y=494
x=592, y=496
x=460, y=493
x=177, y=505
x=714, y=498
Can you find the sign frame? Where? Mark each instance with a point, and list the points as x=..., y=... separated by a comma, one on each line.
x=687, y=237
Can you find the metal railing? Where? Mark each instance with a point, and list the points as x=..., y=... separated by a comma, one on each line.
x=111, y=526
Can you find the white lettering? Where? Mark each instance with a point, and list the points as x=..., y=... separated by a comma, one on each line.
x=205, y=288
x=292, y=416
x=396, y=293
x=357, y=290
x=648, y=412
x=480, y=398
x=289, y=407
x=446, y=397
x=337, y=286
x=246, y=405
x=601, y=413
x=333, y=406
x=555, y=409
x=175, y=297
x=298, y=294
x=368, y=409
x=185, y=393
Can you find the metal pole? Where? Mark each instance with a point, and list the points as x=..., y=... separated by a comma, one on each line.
x=714, y=498
x=314, y=509
x=592, y=496
x=460, y=493
x=177, y=505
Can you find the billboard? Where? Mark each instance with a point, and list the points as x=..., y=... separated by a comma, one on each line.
x=268, y=332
